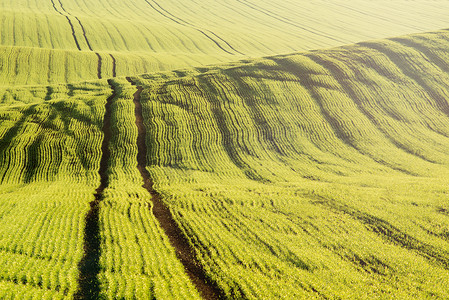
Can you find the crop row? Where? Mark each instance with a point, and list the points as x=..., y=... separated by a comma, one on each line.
x=311, y=175
x=49, y=149
x=50, y=156
x=60, y=38
x=136, y=259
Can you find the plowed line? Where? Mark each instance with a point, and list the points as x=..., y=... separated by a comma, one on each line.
x=114, y=66
x=90, y=48
x=73, y=33
x=287, y=21
x=184, y=251
x=187, y=24
x=89, y=287
x=84, y=33
x=70, y=23
x=99, y=65
x=87, y=41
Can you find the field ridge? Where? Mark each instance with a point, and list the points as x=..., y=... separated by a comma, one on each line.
x=318, y=174
x=89, y=286
x=184, y=251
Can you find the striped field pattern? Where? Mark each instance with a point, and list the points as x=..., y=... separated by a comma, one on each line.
x=218, y=174
x=49, y=159
x=321, y=174
x=56, y=41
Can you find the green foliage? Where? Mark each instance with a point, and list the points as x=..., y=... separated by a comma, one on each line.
x=137, y=260
x=311, y=175
x=64, y=41
x=49, y=156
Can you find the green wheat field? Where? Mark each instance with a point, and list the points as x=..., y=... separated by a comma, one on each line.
x=224, y=149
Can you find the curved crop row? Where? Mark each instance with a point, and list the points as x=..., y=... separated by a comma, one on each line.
x=311, y=175
x=157, y=35
x=136, y=259
x=50, y=138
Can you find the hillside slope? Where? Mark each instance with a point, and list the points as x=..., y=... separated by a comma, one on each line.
x=63, y=41
x=321, y=174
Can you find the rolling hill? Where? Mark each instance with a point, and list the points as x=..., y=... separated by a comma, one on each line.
x=68, y=41
x=196, y=150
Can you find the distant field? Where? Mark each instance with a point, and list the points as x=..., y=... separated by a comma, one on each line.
x=229, y=149
x=320, y=174
x=66, y=41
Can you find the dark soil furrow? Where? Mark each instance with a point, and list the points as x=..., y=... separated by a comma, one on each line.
x=224, y=41
x=84, y=34
x=73, y=33
x=114, y=66
x=163, y=12
x=185, y=252
x=85, y=38
x=89, y=287
x=70, y=22
x=99, y=65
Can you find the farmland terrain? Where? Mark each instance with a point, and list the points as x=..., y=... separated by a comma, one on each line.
x=149, y=151
x=55, y=41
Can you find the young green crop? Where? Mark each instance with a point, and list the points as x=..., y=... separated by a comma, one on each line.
x=66, y=41
x=320, y=174
x=311, y=175
x=137, y=260
x=49, y=154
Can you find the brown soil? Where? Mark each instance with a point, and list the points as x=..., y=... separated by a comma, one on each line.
x=185, y=252
x=89, y=287
x=99, y=65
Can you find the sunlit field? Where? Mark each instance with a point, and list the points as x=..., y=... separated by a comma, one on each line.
x=224, y=149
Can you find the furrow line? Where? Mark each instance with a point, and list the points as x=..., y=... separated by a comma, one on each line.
x=89, y=267
x=99, y=65
x=70, y=23
x=184, y=251
x=73, y=33
x=90, y=48
x=84, y=33
x=114, y=66
x=287, y=21
x=85, y=38
x=181, y=22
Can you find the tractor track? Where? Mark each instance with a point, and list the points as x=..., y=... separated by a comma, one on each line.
x=66, y=15
x=99, y=65
x=114, y=66
x=70, y=23
x=288, y=21
x=89, y=267
x=163, y=12
x=185, y=252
